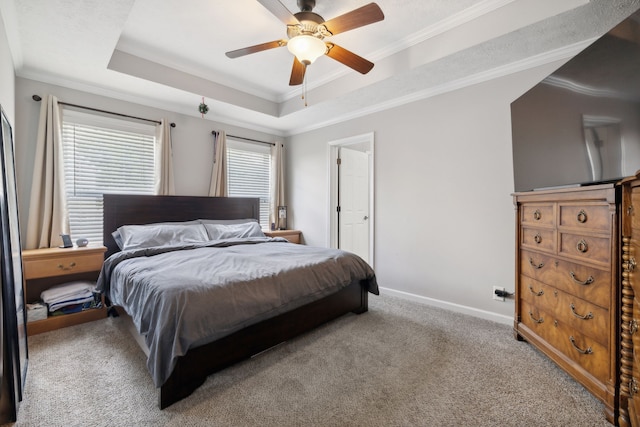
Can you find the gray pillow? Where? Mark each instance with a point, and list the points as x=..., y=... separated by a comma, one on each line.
x=150, y=235
x=227, y=221
x=234, y=231
x=118, y=237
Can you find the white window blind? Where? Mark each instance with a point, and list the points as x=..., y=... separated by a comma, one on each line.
x=249, y=174
x=103, y=155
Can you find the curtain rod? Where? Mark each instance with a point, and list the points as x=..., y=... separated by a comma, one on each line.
x=213, y=132
x=38, y=99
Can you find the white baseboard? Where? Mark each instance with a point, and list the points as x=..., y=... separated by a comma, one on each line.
x=483, y=314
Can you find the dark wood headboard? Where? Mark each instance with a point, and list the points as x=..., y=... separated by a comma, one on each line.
x=129, y=209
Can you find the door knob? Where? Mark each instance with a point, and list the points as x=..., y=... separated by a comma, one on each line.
x=365, y=217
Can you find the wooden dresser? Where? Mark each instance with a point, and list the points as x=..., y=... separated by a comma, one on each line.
x=567, y=283
x=630, y=307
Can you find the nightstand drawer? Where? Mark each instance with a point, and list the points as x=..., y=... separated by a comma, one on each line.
x=60, y=262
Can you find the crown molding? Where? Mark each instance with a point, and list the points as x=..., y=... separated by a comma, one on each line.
x=216, y=114
x=442, y=26
x=563, y=53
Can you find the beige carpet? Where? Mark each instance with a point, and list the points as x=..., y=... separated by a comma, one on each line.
x=400, y=364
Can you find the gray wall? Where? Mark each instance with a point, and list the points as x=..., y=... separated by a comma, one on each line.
x=191, y=138
x=7, y=76
x=444, y=215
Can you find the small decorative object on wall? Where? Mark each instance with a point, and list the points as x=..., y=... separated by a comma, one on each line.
x=81, y=242
x=203, y=108
x=282, y=217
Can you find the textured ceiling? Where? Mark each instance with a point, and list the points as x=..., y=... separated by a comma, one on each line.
x=170, y=53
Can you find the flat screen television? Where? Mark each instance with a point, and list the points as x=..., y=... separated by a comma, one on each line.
x=581, y=124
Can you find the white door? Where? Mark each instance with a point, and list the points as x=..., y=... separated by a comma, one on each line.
x=353, y=199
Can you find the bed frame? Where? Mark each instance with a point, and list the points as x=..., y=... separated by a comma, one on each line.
x=193, y=368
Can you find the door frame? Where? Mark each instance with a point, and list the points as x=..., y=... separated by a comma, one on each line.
x=367, y=141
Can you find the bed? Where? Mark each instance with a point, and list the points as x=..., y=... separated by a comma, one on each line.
x=180, y=364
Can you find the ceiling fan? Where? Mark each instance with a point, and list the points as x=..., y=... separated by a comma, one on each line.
x=306, y=31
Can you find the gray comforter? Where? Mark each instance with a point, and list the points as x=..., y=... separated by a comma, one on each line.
x=182, y=297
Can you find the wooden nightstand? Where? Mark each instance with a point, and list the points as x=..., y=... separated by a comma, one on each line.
x=291, y=235
x=44, y=268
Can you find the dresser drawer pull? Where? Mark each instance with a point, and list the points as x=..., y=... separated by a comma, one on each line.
x=540, y=320
x=582, y=216
x=71, y=265
x=633, y=386
x=582, y=246
x=629, y=265
x=589, y=280
x=538, y=294
x=537, y=238
x=573, y=343
x=537, y=215
x=587, y=316
x=633, y=326
x=534, y=265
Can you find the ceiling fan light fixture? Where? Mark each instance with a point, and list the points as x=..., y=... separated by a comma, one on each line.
x=306, y=48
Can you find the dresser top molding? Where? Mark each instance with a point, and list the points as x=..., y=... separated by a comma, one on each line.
x=600, y=192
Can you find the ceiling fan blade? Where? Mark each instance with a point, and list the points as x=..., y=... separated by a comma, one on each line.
x=297, y=72
x=349, y=58
x=360, y=17
x=280, y=11
x=257, y=48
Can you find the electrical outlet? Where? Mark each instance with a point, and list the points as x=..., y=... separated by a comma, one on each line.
x=496, y=297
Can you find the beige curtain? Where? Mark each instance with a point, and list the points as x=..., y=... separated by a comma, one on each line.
x=48, y=216
x=164, y=185
x=218, y=184
x=277, y=182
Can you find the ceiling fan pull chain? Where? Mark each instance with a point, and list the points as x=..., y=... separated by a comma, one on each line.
x=304, y=89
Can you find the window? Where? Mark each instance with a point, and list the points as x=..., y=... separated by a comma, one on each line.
x=103, y=155
x=249, y=174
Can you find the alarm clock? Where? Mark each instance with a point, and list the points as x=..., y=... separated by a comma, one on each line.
x=82, y=242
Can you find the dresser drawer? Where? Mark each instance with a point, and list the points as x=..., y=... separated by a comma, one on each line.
x=585, y=216
x=635, y=338
x=538, y=214
x=590, y=320
x=635, y=212
x=592, y=249
x=584, y=281
x=539, y=239
x=588, y=353
x=60, y=264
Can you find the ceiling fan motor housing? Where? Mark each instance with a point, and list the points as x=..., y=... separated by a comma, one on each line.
x=306, y=5
x=309, y=25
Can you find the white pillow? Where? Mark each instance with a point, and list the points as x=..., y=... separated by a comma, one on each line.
x=234, y=231
x=146, y=236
